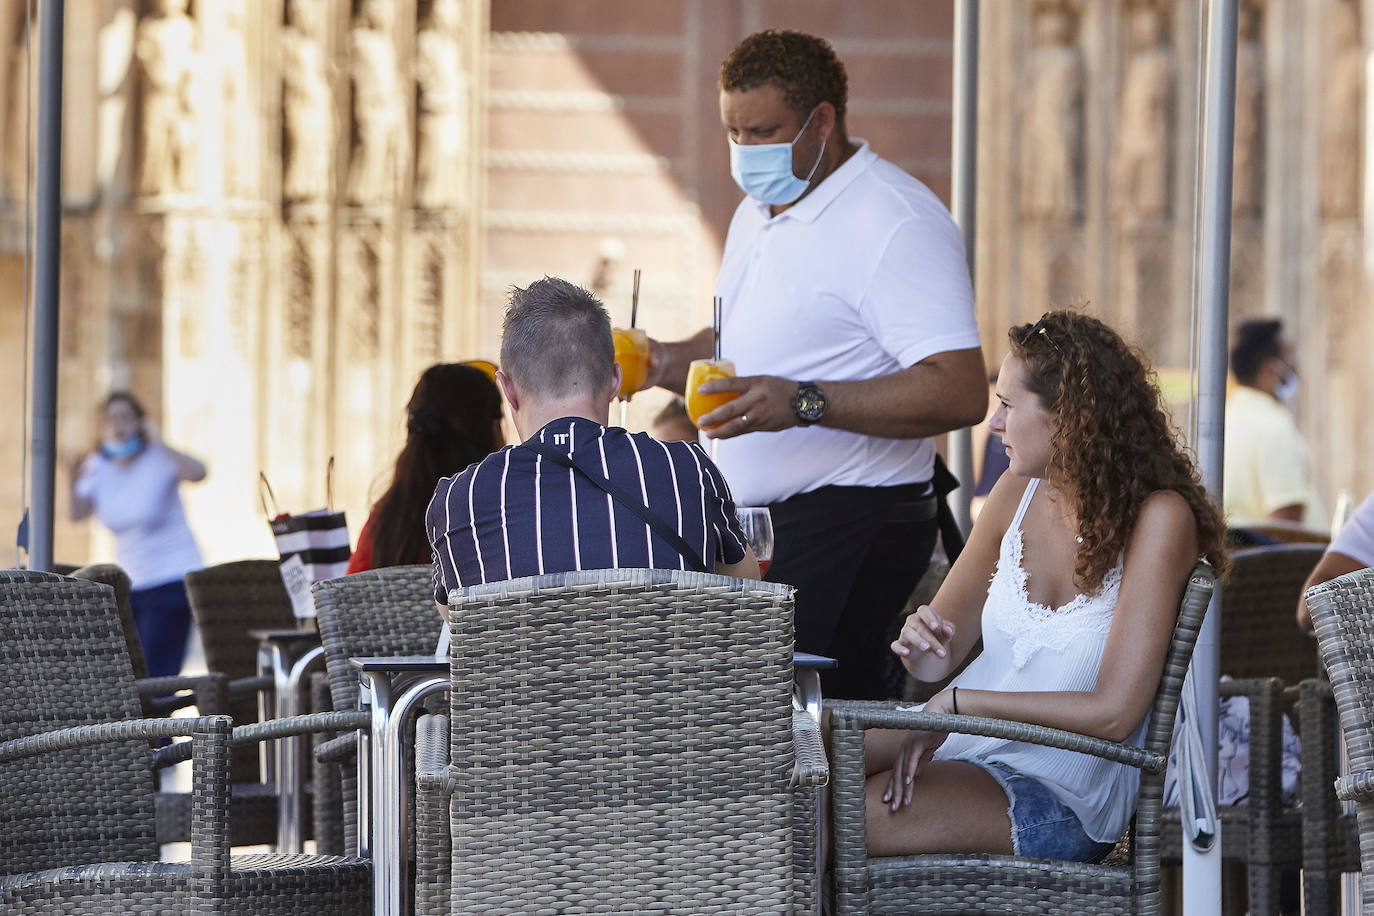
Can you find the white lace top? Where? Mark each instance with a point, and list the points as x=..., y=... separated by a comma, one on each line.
x=1030, y=647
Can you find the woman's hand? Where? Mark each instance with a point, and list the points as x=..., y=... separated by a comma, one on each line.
x=915, y=753
x=911, y=762
x=924, y=632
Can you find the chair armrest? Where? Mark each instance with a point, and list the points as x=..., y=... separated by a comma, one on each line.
x=276, y=728
x=258, y=683
x=431, y=753
x=810, y=769
x=160, y=694
x=1357, y=787
x=337, y=750
x=108, y=733
x=858, y=715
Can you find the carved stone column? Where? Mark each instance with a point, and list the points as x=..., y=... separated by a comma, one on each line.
x=1051, y=156
x=1343, y=283
x=441, y=262
x=1142, y=173
x=1247, y=184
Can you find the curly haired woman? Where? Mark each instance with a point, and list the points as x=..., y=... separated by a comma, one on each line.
x=1087, y=542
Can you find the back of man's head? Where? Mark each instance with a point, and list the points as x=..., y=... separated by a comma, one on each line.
x=556, y=341
x=803, y=66
x=1256, y=341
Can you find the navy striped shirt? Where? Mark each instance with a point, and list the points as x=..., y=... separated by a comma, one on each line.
x=516, y=514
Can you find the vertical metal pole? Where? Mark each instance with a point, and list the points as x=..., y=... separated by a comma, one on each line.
x=963, y=198
x=47, y=261
x=1202, y=871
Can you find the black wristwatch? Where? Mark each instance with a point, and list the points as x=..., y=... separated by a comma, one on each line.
x=809, y=403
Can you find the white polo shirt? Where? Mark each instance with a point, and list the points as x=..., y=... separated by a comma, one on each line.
x=1356, y=537
x=864, y=277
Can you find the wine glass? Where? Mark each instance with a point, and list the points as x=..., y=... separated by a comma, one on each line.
x=757, y=523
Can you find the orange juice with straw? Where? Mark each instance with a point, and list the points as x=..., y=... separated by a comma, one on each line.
x=699, y=373
x=632, y=353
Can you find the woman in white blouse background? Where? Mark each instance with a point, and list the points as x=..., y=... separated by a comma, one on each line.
x=1072, y=576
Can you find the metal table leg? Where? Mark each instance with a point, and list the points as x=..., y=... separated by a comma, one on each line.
x=290, y=777
x=383, y=764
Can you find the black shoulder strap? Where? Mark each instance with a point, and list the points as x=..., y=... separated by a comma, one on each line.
x=620, y=495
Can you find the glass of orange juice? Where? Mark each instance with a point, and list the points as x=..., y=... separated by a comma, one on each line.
x=632, y=352
x=699, y=373
x=485, y=365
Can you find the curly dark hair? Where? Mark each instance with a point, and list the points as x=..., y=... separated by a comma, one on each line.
x=803, y=66
x=1113, y=444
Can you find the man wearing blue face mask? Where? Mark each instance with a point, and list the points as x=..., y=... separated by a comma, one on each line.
x=1268, y=471
x=848, y=313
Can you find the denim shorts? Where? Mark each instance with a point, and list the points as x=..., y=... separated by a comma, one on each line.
x=1042, y=827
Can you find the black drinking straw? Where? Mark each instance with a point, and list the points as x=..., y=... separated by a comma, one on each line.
x=634, y=300
x=717, y=308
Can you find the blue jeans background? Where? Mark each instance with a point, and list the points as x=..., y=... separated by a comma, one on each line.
x=162, y=616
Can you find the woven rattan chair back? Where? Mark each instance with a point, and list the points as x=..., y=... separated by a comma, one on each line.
x=116, y=578
x=66, y=664
x=227, y=601
x=1343, y=616
x=379, y=612
x=622, y=742
x=1259, y=637
x=1159, y=734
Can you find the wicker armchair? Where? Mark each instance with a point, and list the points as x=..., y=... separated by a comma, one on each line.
x=624, y=741
x=381, y=612
x=253, y=811
x=989, y=883
x=78, y=832
x=227, y=601
x=1266, y=655
x=1343, y=615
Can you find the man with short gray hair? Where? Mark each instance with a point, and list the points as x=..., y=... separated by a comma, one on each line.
x=576, y=493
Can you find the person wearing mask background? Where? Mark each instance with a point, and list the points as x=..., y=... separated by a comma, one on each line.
x=1267, y=468
x=131, y=483
x=848, y=313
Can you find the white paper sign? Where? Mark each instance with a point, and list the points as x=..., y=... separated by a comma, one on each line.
x=297, y=583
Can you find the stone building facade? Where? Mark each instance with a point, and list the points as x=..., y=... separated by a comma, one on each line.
x=1088, y=146
x=277, y=212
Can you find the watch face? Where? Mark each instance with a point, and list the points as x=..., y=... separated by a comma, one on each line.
x=809, y=403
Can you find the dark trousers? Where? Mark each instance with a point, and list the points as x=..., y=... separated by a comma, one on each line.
x=854, y=554
x=163, y=618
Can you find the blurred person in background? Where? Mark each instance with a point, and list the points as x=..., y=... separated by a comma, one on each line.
x=131, y=483
x=1268, y=470
x=453, y=420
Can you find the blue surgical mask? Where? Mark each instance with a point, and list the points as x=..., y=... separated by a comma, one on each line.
x=1287, y=392
x=122, y=448
x=764, y=170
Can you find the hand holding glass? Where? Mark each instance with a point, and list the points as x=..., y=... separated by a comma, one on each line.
x=757, y=523
x=699, y=373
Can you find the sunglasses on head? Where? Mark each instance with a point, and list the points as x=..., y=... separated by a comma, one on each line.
x=1039, y=328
